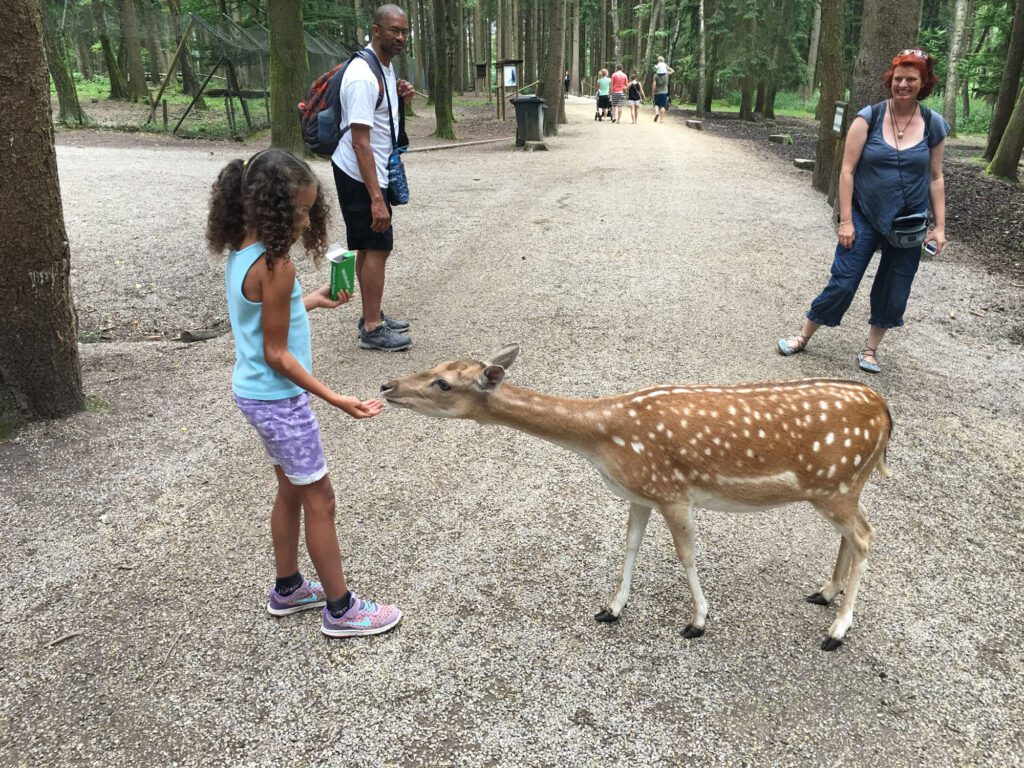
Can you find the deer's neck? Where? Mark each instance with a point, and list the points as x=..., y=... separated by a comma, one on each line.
x=565, y=421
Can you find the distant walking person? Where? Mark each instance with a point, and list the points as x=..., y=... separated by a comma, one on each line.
x=604, y=100
x=659, y=87
x=619, y=83
x=372, y=101
x=567, y=82
x=891, y=176
x=634, y=96
x=258, y=210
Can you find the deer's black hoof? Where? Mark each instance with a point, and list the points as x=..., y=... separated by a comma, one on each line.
x=606, y=616
x=830, y=644
x=691, y=632
x=817, y=598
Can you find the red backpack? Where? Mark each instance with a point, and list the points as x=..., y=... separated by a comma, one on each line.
x=321, y=111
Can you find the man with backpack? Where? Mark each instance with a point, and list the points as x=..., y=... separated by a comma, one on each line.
x=372, y=105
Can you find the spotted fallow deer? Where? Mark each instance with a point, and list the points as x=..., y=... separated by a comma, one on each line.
x=671, y=448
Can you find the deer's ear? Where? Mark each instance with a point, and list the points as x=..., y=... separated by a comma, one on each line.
x=490, y=378
x=504, y=356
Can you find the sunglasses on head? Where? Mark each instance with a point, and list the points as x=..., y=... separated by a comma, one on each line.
x=914, y=52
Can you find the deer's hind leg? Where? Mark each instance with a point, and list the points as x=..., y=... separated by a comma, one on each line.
x=638, y=517
x=848, y=517
x=684, y=535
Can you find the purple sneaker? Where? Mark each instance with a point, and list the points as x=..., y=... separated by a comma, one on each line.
x=309, y=595
x=362, y=618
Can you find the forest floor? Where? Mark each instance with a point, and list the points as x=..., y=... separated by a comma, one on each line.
x=136, y=552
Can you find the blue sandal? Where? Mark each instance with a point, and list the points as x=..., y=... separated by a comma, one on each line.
x=865, y=364
x=787, y=349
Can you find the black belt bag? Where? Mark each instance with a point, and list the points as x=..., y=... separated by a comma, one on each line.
x=908, y=231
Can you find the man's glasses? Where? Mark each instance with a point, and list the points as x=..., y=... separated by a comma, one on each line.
x=914, y=52
x=397, y=30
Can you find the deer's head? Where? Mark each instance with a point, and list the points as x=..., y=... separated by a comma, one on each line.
x=457, y=389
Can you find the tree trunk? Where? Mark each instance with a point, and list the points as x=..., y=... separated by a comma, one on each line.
x=428, y=48
x=40, y=372
x=702, y=61
x=780, y=52
x=574, y=72
x=530, y=33
x=189, y=84
x=137, y=88
x=156, y=56
x=56, y=60
x=82, y=51
x=956, y=52
x=965, y=108
x=807, y=89
x=289, y=73
x=613, y=13
x=118, y=86
x=554, y=65
x=832, y=88
x=443, y=69
x=643, y=67
x=1007, y=157
x=459, y=38
x=1009, y=85
x=712, y=70
x=886, y=29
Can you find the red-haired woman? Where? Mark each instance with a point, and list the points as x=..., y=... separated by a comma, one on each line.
x=892, y=167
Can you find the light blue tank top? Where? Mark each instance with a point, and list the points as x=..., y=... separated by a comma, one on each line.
x=253, y=378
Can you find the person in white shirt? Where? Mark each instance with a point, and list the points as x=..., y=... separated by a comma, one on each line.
x=360, y=172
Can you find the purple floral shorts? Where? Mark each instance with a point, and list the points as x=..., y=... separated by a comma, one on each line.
x=290, y=433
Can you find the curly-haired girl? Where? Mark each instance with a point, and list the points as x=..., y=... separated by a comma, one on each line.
x=259, y=209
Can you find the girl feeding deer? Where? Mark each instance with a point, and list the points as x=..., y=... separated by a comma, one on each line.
x=259, y=209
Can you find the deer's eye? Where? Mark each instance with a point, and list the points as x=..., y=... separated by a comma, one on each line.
x=443, y=385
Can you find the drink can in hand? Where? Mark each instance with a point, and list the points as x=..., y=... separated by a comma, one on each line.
x=343, y=270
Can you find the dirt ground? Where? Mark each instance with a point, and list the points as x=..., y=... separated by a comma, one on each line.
x=136, y=553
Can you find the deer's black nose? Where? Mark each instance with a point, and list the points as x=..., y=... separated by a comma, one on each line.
x=387, y=386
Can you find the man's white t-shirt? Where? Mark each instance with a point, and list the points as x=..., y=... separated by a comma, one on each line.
x=358, y=96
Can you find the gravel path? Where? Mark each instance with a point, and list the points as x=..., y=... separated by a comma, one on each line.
x=625, y=256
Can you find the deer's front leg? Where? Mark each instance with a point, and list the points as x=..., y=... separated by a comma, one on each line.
x=638, y=517
x=683, y=528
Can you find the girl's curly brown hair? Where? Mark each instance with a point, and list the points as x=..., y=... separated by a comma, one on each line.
x=259, y=195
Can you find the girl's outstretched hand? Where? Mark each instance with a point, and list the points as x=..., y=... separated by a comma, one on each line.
x=321, y=298
x=359, y=409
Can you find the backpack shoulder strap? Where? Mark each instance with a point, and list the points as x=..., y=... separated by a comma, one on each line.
x=377, y=70
x=926, y=115
x=876, y=110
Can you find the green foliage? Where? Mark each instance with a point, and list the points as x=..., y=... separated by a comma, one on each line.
x=983, y=66
x=976, y=123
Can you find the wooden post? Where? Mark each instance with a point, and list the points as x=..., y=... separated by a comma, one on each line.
x=233, y=84
x=164, y=103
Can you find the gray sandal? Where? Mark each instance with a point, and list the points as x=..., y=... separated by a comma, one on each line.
x=865, y=364
x=787, y=349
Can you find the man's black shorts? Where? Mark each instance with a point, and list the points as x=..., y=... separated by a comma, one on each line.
x=355, y=209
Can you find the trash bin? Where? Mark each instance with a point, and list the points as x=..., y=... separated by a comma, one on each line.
x=529, y=119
